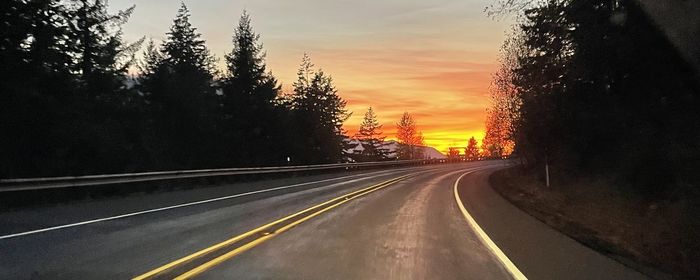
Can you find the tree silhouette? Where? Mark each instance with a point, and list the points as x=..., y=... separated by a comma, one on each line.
x=598, y=89
x=36, y=87
x=319, y=113
x=472, y=151
x=249, y=111
x=72, y=109
x=371, y=139
x=102, y=57
x=178, y=88
x=67, y=106
x=504, y=110
x=409, y=138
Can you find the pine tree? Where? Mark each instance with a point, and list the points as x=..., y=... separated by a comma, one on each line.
x=410, y=139
x=102, y=57
x=105, y=108
x=178, y=88
x=185, y=50
x=251, y=116
x=319, y=113
x=371, y=139
x=597, y=85
x=246, y=66
x=152, y=60
x=36, y=87
x=69, y=63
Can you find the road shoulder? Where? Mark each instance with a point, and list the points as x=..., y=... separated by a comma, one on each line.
x=539, y=251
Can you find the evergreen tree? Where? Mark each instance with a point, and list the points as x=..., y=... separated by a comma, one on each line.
x=251, y=117
x=102, y=56
x=371, y=139
x=105, y=115
x=319, y=113
x=65, y=89
x=152, y=60
x=541, y=78
x=181, y=98
x=35, y=89
x=584, y=72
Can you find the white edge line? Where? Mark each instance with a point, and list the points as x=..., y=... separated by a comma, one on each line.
x=505, y=261
x=185, y=205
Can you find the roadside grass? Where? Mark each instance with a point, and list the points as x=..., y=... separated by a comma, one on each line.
x=650, y=236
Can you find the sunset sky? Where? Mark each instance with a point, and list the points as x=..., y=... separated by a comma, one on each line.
x=433, y=58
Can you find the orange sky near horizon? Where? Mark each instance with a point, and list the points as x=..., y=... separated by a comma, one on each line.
x=433, y=59
x=447, y=98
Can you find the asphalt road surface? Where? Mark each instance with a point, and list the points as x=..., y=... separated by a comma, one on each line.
x=429, y=222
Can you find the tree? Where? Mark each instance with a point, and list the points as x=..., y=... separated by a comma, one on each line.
x=409, y=137
x=102, y=56
x=251, y=117
x=36, y=88
x=371, y=139
x=599, y=90
x=68, y=66
x=472, y=151
x=491, y=150
x=502, y=116
x=542, y=78
x=152, y=60
x=105, y=121
x=453, y=152
x=178, y=89
x=319, y=113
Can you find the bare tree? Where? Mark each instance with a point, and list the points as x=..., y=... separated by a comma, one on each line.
x=409, y=138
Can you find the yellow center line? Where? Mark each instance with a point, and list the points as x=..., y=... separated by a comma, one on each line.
x=208, y=265
x=343, y=198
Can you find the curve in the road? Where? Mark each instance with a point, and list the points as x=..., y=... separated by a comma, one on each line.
x=412, y=231
x=497, y=252
x=266, y=232
x=30, y=232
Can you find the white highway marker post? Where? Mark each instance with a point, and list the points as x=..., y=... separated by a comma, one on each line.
x=546, y=169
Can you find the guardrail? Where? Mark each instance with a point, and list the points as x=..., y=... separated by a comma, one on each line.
x=25, y=184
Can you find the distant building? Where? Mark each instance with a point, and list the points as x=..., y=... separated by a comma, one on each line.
x=354, y=149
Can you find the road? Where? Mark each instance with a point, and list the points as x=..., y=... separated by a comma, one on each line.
x=429, y=222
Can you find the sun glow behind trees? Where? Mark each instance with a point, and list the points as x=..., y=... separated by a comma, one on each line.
x=201, y=100
x=431, y=58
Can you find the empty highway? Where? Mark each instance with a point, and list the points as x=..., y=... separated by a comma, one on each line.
x=428, y=222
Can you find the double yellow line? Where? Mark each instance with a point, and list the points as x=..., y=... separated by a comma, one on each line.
x=266, y=231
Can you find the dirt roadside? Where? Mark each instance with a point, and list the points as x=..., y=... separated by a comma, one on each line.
x=649, y=236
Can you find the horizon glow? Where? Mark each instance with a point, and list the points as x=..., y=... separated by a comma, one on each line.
x=433, y=59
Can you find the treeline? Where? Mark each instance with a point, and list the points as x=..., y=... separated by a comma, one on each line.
x=369, y=144
x=69, y=106
x=489, y=149
x=594, y=87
